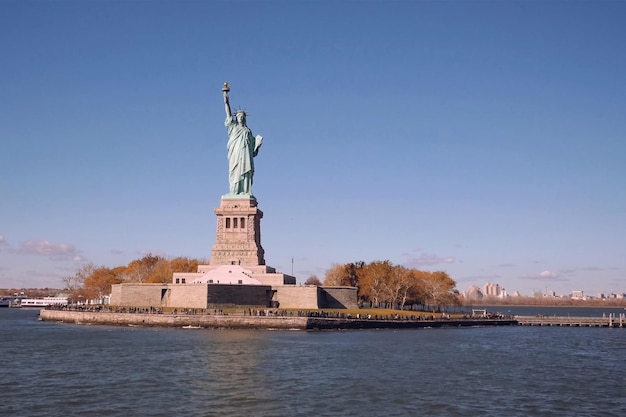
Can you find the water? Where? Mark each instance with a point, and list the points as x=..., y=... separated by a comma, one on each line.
x=53, y=369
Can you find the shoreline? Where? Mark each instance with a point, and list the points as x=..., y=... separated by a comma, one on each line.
x=210, y=321
x=590, y=306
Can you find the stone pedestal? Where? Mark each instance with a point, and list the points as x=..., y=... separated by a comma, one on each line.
x=238, y=235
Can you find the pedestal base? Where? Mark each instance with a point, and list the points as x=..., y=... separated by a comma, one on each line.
x=238, y=235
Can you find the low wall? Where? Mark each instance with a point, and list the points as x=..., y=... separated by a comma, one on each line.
x=170, y=320
x=253, y=322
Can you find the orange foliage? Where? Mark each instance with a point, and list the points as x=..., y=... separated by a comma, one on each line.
x=92, y=282
x=99, y=282
x=382, y=282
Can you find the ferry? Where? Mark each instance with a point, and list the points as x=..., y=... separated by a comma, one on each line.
x=43, y=302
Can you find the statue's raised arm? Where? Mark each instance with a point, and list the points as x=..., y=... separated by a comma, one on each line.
x=225, y=91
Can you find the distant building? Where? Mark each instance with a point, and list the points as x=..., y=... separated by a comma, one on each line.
x=473, y=293
x=578, y=295
x=491, y=290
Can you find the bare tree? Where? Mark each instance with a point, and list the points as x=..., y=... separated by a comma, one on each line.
x=75, y=282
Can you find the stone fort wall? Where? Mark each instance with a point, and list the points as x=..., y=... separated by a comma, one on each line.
x=313, y=297
x=191, y=295
x=160, y=295
x=225, y=295
x=291, y=296
x=338, y=297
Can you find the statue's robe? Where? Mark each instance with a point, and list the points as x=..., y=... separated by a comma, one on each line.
x=242, y=148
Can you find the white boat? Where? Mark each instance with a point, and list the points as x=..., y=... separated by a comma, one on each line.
x=43, y=302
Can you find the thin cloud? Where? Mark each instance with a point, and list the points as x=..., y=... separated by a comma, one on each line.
x=427, y=259
x=3, y=242
x=59, y=251
x=480, y=278
x=598, y=269
x=544, y=276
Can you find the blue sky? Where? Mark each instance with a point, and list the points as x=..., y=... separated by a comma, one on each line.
x=482, y=138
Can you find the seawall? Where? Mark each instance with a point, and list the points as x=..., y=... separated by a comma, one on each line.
x=211, y=321
x=178, y=320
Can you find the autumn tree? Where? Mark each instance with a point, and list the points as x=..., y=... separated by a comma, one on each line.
x=161, y=272
x=313, y=280
x=182, y=264
x=140, y=270
x=438, y=289
x=399, y=286
x=373, y=278
x=411, y=294
x=337, y=276
x=91, y=282
x=98, y=283
x=382, y=282
x=354, y=271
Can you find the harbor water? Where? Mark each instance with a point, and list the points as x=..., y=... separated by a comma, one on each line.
x=55, y=369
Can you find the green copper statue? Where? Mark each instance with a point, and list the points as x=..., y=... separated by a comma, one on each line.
x=242, y=148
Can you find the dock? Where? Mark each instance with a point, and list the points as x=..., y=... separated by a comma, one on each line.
x=610, y=321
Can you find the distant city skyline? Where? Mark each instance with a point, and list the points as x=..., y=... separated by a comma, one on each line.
x=480, y=138
x=495, y=290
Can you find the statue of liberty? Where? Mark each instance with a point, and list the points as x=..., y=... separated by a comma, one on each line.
x=242, y=148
